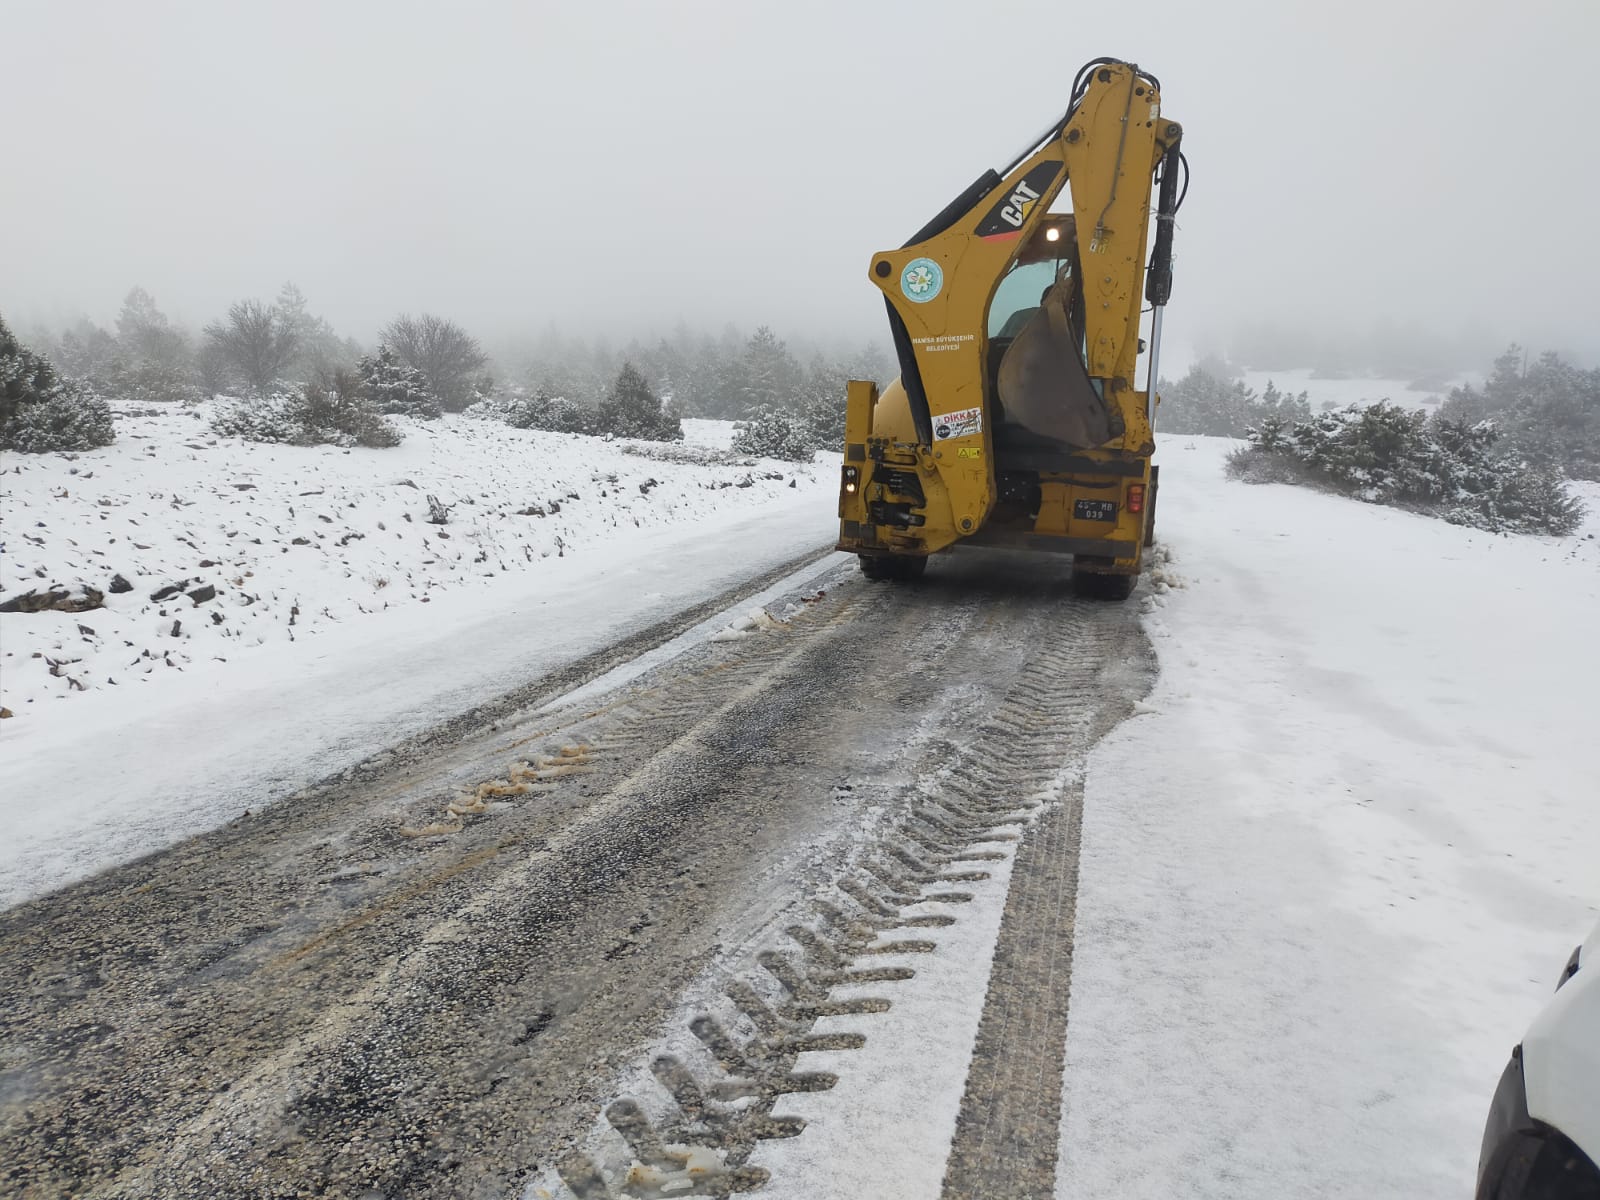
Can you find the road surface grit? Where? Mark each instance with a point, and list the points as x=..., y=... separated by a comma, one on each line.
x=428, y=978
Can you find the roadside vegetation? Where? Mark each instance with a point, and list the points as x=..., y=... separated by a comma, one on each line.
x=1209, y=401
x=333, y=413
x=42, y=410
x=1496, y=457
x=1546, y=411
x=283, y=374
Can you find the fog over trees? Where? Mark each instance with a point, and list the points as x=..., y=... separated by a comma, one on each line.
x=519, y=206
x=289, y=375
x=617, y=170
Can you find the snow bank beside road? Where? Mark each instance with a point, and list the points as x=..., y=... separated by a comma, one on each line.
x=1331, y=871
x=116, y=772
x=205, y=548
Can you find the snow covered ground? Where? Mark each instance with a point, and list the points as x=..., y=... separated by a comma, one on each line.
x=1329, y=871
x=342, y=620
x=1332, y=870
x=1357, y=389
x=206, y=549
x=899, y=1080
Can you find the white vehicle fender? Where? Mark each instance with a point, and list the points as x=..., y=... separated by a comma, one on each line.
x=1561, y=1056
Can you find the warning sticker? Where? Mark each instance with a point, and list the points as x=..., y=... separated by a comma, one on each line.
x=958, y=424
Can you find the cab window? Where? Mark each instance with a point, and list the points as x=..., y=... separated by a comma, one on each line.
x=1017, y=298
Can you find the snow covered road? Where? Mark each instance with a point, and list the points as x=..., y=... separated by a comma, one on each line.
x=99, y=777
x=1328, y=871
x=1333, y=868
x=137, y=778
x=422, y=981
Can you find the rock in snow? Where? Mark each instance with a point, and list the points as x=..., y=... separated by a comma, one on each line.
x=179, y=517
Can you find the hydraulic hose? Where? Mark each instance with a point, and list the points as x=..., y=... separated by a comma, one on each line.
x=1158, y=282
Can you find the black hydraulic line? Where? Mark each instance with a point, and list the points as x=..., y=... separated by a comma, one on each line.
x=1080, y=82
x=910, y=376
x=1080, y=85
x=1158, y=282
x=951, y=213
x=1156, y=173
x=989, y=180
x=1033, y=146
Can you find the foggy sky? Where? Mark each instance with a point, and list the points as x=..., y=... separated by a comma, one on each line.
x=615, y=166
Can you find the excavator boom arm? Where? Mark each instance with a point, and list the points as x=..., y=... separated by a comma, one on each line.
x=1067, y=377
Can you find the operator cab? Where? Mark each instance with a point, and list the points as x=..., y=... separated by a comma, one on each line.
x=1046, y=405
x=1019, y=295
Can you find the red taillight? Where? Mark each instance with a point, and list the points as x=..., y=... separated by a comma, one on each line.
x=1136, y=497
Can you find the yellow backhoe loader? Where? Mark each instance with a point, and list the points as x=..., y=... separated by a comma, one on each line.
x=1017, y=420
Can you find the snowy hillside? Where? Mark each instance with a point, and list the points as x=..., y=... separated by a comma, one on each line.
x=182, y=547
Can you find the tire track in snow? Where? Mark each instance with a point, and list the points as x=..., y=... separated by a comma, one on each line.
x=720, y=1128
x=1007, y=1133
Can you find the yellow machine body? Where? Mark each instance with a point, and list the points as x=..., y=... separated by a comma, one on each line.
x=1018, y=421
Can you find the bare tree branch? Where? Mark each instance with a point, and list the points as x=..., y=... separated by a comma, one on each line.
x=256, y=342
x=446, y=354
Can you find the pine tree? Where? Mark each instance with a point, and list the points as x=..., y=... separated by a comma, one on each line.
x=1281, y=406
x=334, y=412
x=25, y=377
x=670, y=372
x=1385, y=454
x=154, y=360
x=318, y=349
x=42, y=412
x=772, y=377
x=144, y=335
x=86, y=350
x=774, y=433
x=728, y=395
x=1204, y=403
x=394, y=387
x=555, y=414
x=1547, y=411
x=822, y=404
x=633, y=410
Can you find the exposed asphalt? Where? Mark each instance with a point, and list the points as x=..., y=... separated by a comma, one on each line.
x=313, y=1001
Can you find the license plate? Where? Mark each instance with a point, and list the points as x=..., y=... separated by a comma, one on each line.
x=1094, y=510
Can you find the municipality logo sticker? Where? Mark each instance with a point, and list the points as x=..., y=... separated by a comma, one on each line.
x=922, y=280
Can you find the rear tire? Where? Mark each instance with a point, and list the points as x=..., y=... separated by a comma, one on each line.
x=1092, y=585
x=893, y=568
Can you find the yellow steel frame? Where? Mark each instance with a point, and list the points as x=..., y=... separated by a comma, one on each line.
x=1107, y=152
